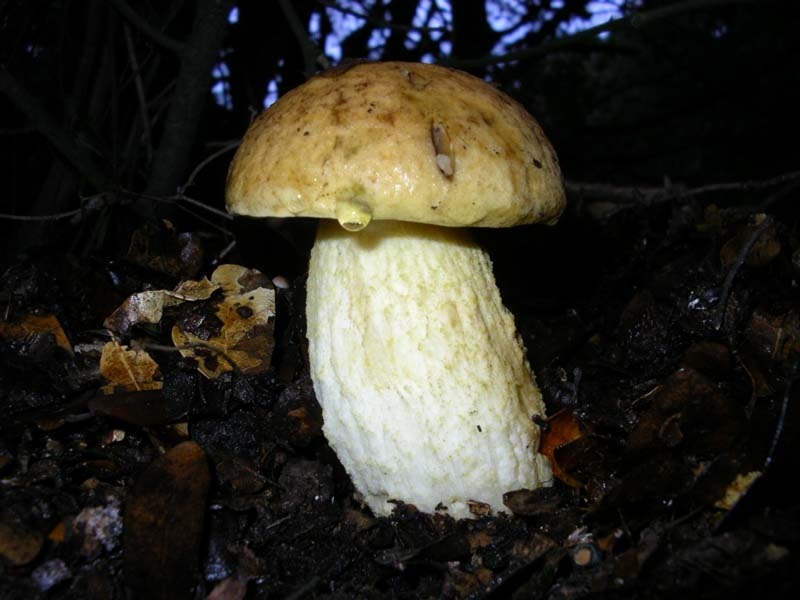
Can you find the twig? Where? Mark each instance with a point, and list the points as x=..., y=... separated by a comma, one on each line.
x=190, y=181
x=202, y=219
x=178, y=199
x=191, y=346
x=53, y=217
x=220, y=213
x=146, y=28
x=651, y=195
x=744, y=186
x=137, y=82
x=780, y=426
x=719, y=311
x=225, y=251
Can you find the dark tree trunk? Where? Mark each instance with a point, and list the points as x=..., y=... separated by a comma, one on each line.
x=200, y=54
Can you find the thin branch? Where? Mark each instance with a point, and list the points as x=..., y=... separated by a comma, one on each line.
x=725, y=292
x=634, y=20
x=225, y=149
x=98, y=200
x=650, y=195
x=780, y=426
x=745, y=186
x=144, y=26
x=192, y=346
x=139, y=86
x=53, y=217
x=178, y=199
x=220, y=213
x=202, y=219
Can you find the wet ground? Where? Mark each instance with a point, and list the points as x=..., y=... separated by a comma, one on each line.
x=665, y=336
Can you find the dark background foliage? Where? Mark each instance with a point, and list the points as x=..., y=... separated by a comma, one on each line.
x=114, y=98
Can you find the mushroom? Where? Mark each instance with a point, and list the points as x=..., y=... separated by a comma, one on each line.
x=426, y=392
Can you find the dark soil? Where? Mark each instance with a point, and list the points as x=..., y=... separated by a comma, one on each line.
x=665, y=337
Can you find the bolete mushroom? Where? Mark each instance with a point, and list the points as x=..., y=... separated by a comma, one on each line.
x=426, y=392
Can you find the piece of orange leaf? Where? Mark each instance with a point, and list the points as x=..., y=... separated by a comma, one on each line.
x=132, y=370
x=31, y=325
x=562, y=428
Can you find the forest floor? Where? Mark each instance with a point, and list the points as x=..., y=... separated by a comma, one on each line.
x=665, y=336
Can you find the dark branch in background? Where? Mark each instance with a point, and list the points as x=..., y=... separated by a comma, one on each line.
x=312, y=56
x=140, y=95
x=380, y=23
x=200, y=54
x=205, y=162
x=623, y=195
x=635, y=20
x=54, y=217
x=65, y=144
x=356, y=43
x=727, y=286
x=137, y=21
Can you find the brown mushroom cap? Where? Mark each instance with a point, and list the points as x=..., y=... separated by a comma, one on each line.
x=404, y=141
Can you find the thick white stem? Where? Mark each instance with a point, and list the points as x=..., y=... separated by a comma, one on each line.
x=426, y=393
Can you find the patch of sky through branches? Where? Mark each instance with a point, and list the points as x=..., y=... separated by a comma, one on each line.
x=433, y=19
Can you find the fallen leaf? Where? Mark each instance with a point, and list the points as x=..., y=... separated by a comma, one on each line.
x=164, y=517
x=774, y=337
x=148, y=307
x=143, y=408
x=561, y=429
x=688, y=410
x=245, y=338
x=232, y=588
x=159, y=247
x=126, y=369
x=19, y=545
x=35, y=325
x=528, y=503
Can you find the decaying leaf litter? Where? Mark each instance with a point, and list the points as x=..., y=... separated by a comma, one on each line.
x=666, y=347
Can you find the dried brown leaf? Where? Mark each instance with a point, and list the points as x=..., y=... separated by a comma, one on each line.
x=35, y=325
x=164, y=518
x=19, y=545
x=245, y=340
x=126, y=369
x=562, y=428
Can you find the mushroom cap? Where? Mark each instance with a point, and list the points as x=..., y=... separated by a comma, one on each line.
x=397, y=141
